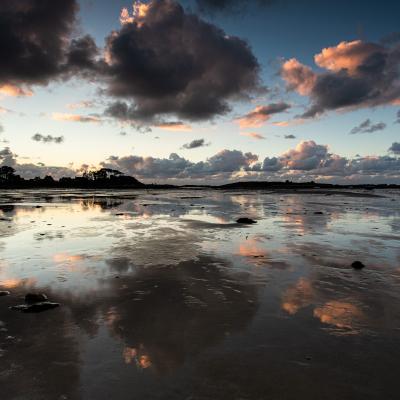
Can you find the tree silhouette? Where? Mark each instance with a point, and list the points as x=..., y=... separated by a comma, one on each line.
x=7, y=173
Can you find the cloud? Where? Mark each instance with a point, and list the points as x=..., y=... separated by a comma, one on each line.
x=290, y=137
x=398, y=117
x=4, y=110
x=194, y=144
x=307, y=161
x=75, y=117
x=357, y=74
x=81, y=104
x=261, y=114
x=391, y=38
x=47, y=138
x=174, y=126
x=30, y=171
x=298, y=77
x=219, y=166
x=271, y=164
x=167, y=62
x=305, y=156
x=228, y=5
x=395, y=148
x=14, y=91
x=347, y=56
x=253, y=135
x=368, y=127
x=7, y=157
x=37, y=44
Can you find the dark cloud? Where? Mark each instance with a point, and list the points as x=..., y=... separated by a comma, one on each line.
x=357, y=74
x=37, y=137
x=309, y=160
x=194, y=144
x=391, y=38
x=398, y=117
x=169, y=62
x=395, y=148
x=35, y=41
x=271, y=164
x=383, y=165
x=368, y=127
x=290, y=137
x=82, y=55
x=229, y=5
x=7, y=157
x=221, y=165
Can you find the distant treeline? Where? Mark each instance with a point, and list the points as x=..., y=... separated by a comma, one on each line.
x=105, y=178
x=102, y=178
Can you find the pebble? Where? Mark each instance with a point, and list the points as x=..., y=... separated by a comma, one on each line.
x=246, y=221
x=358, y=265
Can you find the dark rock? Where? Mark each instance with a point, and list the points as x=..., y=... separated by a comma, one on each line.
x=4, y=293
x=318, y=213
x=31, y=298
x=35, y=307
x=246, y=221
x=358, y=265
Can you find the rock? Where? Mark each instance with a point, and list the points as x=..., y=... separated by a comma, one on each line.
x=318, y=213
x=246, y=221
x=358, y=265
x=4, y=293
x=35, y=307
x=31, y=298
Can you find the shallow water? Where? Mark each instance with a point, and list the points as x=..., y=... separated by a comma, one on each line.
x=164, y=296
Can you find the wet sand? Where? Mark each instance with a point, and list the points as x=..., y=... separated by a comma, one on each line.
x=164, y=296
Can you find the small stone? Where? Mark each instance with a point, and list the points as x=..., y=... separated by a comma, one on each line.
x=318, y=213
x=358, y=265
x=4, y=293
x=246, y=221
x=31, y=298
x=35, y=307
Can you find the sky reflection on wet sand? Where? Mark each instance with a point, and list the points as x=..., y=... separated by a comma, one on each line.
x=163, y=295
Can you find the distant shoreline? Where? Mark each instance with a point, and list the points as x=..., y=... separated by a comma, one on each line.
x=247, y=185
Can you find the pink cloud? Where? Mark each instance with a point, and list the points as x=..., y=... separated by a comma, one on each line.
x=298, y=77
x=261, y=114
x=175, y=126
x=253, y=135
x=346, y=56
x=75, y=118
x=14, y=91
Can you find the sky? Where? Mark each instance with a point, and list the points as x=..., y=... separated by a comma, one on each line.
x=204, y=91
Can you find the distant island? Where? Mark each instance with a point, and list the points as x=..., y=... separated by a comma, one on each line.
x=106, y=178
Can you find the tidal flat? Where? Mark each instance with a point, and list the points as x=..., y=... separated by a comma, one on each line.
x=163, y=295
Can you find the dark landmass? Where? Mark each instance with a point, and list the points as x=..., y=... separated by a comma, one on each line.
x=106, y=178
